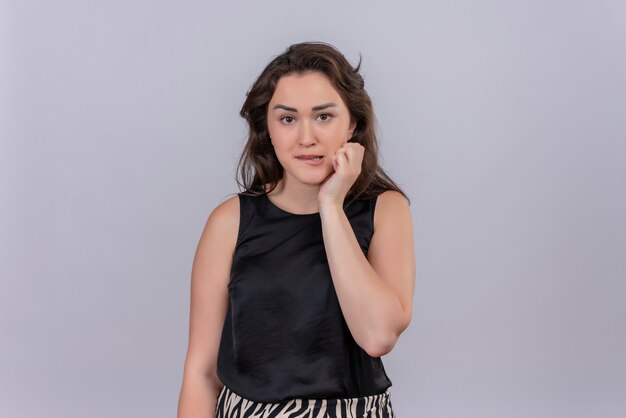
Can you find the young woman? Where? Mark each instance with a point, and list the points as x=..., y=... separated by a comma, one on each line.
x=303, y=280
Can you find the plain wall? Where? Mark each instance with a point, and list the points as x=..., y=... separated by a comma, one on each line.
x=503, y=121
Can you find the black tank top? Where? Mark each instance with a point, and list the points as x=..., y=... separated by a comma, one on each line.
x=284, y=335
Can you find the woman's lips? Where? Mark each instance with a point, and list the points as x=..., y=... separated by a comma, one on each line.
x=311, y=161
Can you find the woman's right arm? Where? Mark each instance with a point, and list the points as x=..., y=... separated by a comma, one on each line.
x=209, y=301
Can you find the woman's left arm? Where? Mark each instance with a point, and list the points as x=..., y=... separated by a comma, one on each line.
x=375, y=293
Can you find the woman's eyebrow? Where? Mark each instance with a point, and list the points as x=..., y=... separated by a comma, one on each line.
x=293, y=109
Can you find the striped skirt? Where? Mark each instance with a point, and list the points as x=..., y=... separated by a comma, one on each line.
x=231, y=405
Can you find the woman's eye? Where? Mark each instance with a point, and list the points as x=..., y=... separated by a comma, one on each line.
x=325, y=116
x=286, y=117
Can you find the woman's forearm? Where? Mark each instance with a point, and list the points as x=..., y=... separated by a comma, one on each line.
x=198, y=396
x=372, y=311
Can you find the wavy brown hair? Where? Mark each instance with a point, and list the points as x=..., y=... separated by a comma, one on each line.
x=258, y=164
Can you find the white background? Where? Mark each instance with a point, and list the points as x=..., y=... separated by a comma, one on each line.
x=503, y=120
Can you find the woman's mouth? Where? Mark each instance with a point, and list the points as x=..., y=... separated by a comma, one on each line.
x=314, y=160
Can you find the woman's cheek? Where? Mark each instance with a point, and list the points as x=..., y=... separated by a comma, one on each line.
x=329, y=133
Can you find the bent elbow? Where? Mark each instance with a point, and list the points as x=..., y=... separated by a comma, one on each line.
x=381, y=343
x=379, y=351
x=381, y=347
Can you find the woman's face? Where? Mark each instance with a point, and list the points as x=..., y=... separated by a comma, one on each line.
x=307, y=117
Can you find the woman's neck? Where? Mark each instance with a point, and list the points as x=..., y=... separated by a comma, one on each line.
x=295, y=197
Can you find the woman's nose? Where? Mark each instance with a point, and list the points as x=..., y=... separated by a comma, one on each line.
x=307, y=136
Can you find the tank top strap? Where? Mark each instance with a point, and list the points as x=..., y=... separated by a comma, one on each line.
x=247, y=208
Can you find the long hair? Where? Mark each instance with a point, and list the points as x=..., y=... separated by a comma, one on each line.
x=258, y=164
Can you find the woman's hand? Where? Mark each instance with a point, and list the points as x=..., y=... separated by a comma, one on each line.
x=347, y=163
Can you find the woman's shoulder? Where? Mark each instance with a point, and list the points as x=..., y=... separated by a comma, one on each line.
x=227, y=206
x=391, y=205
x=225, y=216
x=392, y=197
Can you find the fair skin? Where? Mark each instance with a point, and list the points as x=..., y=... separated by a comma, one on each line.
x=374, y=292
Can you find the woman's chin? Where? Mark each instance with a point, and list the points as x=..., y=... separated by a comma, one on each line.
x=313, y=176
x=313, y=180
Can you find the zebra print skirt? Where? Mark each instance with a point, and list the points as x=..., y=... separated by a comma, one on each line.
x=231, y=405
